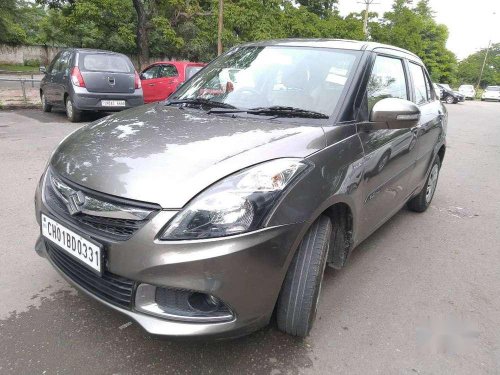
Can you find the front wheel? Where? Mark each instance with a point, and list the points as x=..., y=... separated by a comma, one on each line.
x=450, y=100
x=422, y=201
x=301, y=289
x=72, y=113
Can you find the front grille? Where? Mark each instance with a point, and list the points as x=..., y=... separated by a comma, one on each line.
x=110, y=228
x=112, y=288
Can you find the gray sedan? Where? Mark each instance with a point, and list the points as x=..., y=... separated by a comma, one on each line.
x=202, y=215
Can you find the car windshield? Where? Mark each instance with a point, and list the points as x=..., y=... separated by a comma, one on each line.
x=104, y=62
x=310, y=79
x=493, y=88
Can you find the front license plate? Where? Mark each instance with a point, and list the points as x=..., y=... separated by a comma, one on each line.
x=88, y=253
x=113, y=103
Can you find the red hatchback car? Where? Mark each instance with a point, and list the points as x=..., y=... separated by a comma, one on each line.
x=161, y=79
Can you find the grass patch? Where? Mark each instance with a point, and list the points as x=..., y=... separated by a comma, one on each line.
x=18, y=68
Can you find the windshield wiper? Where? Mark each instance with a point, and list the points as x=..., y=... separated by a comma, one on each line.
x=280, y=111
x=283, y=111
x=201, y=101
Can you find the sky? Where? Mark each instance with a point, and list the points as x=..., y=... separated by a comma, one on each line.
x=471, y=24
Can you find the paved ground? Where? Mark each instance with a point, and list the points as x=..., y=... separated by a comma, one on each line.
x=421, y=296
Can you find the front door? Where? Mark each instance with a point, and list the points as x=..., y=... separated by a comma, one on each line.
x=389, y=154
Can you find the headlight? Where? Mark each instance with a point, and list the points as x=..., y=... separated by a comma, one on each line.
x=237, y=204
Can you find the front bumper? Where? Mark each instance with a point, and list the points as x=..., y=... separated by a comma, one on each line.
x=244, y=271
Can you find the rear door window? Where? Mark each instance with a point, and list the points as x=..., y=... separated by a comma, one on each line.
x=167, y=71
x=387, y=80
x=64, y=61
x=420, y=86
x=104, y=62
x=150, y=73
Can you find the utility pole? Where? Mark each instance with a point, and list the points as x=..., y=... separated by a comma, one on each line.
x=367, y=4
x=219, y=34
x=484, y=63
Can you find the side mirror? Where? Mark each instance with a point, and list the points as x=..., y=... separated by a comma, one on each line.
x=393, y=113
x=141, y=77
x=42, y=69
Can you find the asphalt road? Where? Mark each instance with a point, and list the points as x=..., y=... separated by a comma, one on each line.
x=421, y=296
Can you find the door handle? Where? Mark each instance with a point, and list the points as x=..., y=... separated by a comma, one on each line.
x=151, y=84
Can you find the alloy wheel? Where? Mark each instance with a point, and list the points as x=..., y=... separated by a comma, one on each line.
x=431, y=183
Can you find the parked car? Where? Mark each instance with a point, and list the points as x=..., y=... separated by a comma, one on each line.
x=82, y=80
x=467, y=91
x=204, y=214
x=438, y=90
x=450, y=96
x=491, y=93
x=161, y=79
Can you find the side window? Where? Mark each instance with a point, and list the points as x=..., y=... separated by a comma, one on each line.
x=53, y=64
x=150, y=73
x=431, y=93
x=387, y=80
x=420, y=87
x=168, y=71
x=64, y=61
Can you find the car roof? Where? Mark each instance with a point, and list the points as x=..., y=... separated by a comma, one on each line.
x=179, y=63
x=332, y=43
x=92, y=50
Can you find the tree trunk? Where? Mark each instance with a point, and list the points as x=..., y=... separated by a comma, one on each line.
x=142, y=40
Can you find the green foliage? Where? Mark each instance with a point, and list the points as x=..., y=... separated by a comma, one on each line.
x=470, y=68
x=18, y=21
x=188, y=28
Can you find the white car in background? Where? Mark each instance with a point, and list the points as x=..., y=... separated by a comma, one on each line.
x=467, y=91
x=491, y=93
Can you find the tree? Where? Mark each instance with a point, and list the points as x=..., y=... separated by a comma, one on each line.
x=469, y=68
x=19, y=20
x=322, y=8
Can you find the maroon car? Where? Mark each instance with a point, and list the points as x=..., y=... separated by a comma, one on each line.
x=161, y=79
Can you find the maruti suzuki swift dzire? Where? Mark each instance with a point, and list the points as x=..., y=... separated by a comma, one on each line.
x=203, y=214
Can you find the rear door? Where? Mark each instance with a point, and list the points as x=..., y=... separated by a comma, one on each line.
x=107, y=72
x=48, y=84
x=169, y=79
x=430, y=126
x=149, y=80
x=388, y=157
x=61, y=78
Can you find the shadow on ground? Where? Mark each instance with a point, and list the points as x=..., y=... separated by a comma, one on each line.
x=70, y=333
x=59, y=115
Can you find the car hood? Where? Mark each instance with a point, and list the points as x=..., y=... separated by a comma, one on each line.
x=167, y=155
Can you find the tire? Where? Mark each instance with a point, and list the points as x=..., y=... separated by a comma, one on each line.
x=300, y=292
x=73, y=114
x=45, y=106
x=450, y=100
x=423, y=200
